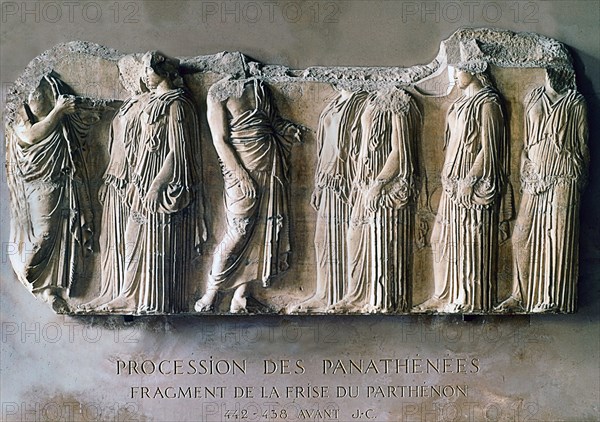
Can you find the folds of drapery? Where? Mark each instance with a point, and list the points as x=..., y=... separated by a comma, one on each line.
x=465, y=235
x=52, y=220
x=260, y=139
x=546, y=234
x=380, y=243
x=338, y=137
x=159, y=244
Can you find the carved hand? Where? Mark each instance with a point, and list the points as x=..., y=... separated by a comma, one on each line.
x=102, y=193
x=152, y=198
x=465, y=194
x=65, y=105
x=373, y=197
x=247, y=185
x=315, y=199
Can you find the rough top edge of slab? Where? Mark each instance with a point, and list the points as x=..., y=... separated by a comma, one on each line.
x=499, y=47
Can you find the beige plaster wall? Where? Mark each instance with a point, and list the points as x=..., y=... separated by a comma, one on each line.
x=540, y=368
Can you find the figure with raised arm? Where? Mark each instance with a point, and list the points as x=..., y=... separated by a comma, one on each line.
x=52, y=224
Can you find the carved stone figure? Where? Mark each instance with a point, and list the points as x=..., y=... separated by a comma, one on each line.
x=474, y=178
x=553, y=171
x=166, y=220
x=253, y=143
x=125, y=131
x=380, y=234
x=338, y=137
x=52, y=221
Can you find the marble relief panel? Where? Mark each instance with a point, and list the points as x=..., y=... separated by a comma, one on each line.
x=217, y=184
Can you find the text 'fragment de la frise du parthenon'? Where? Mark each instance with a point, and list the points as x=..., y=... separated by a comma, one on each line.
x=146, y=184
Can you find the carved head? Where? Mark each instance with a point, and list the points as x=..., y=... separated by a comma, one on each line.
x=130, y=74
x=464, y=78
x=43, y=98
x=560, y=79
x=472, y=59
x=472, y=66
x=159, y=68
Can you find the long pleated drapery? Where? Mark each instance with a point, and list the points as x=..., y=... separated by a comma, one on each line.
x=380, y=243
x=546, y=234
x=465, y=234
x=338, y=138
x=159, y=245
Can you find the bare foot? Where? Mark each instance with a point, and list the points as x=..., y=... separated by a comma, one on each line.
x=312, y=304
x=91, y=305
x=544, y=307
x=433, y=304
x=372, y=309
x=345, y=307
x=456, y=307
x=512, y=304
x=238, y=305
x=59, y=305
x=118, y=304
x=207, y=302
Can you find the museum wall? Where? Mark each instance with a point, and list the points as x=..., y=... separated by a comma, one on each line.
x=496, y=368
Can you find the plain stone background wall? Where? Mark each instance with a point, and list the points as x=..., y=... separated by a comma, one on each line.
x=542, y=368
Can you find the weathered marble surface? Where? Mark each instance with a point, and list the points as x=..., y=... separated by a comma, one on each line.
x=415, y=222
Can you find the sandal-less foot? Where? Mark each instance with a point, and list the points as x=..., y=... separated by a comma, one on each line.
x=207, y=302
